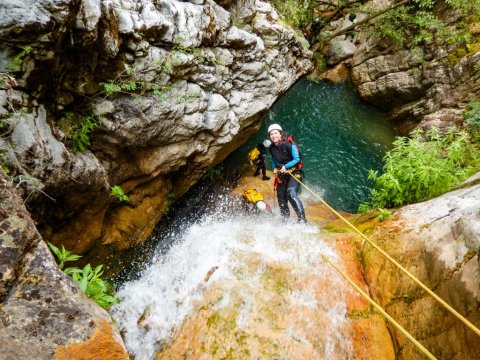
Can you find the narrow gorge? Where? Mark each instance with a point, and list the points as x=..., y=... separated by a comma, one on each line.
x=113, y=111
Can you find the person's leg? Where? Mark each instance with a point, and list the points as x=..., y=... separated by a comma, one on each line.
x=264, y=171
x=292, y=189
x=257, y=169
x=282, y=199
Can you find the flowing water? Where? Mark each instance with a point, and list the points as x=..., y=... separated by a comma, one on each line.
x=240, y=287
x=270, y=296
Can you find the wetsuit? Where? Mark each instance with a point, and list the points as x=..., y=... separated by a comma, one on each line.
x=260, y=162
x=285, y=154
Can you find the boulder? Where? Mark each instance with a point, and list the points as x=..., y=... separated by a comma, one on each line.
x=43, y=312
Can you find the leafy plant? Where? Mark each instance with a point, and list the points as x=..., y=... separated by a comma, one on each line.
x=90, y=282
x=117, y=191
x=18, y=59
x=88, y=279
x=422, y=22
x=295, y=13
x=133, y=87
x=423, y=166
x=169, y=201
x=4, y=162
x=81, y=136
x=384, y=214
x=472, y=115
x=63, y=255
x=7, y=79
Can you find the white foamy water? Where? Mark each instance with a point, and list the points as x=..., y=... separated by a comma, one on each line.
x=173, y=283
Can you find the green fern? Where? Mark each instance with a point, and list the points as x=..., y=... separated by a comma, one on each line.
x=81, y=136
x=472, y=115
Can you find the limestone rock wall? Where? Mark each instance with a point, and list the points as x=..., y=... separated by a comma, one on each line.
x=193, y=80
x=439, y=242
x=423, y=86
x=419, y=87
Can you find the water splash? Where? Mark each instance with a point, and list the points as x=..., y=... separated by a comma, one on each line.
x=264, y=267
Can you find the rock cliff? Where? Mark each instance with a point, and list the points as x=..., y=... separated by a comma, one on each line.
x=160, y=91
x=419, y=87
x=438, y=241
x=42, y=312
x=429, y=85
x=147, y=95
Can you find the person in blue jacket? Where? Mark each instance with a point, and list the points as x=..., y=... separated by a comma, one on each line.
x=285, y=162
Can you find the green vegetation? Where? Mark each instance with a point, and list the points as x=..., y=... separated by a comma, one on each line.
x=19, y=58
x=384, y=214
x=117, y=191
x=63, y=255
x=408, y=23
x=425, y=22
x=472, y=115
x=169, y=201
x=81, y=136
x=88, y=279
x=423, y=166
x=4, y=163
x=294, y=12
x=319, y=60
x=134, y=81
x=7, y=80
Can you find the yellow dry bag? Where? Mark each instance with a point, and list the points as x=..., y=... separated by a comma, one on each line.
x=252, y=195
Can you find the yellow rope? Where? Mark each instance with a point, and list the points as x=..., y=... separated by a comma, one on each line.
x=410, y=275
x=383, y=312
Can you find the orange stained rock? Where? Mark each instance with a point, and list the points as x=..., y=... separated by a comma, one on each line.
x=263, y=187
x=367, y=329
x=103, y=344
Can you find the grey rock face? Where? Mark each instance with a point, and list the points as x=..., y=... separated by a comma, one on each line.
x=192, y=80
x=41, y=307
x=21, y=18
x=417, y=85
x=439, y=242
x=340, y=50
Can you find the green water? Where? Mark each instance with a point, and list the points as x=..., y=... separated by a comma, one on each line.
x=340, y=137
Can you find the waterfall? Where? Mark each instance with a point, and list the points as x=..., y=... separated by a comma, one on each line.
x=238, y=284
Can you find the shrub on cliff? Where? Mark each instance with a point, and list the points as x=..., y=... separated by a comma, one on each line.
x=472, y=114
x=294, y=12
x=420, y=22
x=423, y=166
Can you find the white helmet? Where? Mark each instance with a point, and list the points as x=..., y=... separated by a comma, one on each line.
x=261, y=205
x=274, y=127
x=267, y=143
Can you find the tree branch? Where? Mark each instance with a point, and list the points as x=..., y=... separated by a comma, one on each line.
x=354, y=25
